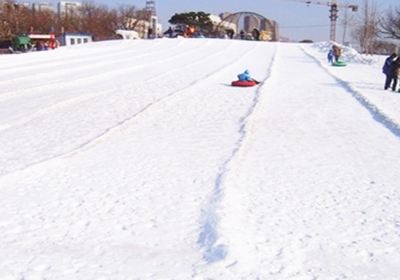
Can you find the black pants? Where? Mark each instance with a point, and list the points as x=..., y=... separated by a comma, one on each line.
x=394, y=86
x=389, y=79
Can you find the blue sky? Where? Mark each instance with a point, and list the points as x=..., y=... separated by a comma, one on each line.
x=297, y=20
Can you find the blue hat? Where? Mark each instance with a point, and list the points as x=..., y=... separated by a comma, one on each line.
x=246, y=71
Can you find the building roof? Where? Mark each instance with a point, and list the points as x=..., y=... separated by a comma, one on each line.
x=77, y=34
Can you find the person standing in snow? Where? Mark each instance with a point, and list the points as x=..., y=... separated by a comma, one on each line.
x=337, y=52
x=169, y=32
x=395, y=72
x=256, y=34
x=388, y=71
x=330, y=56
x=241, y=35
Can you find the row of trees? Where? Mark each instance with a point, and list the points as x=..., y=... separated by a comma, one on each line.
x=100, y=21
x=372, y=29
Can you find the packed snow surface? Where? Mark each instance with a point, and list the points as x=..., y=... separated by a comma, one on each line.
x=138, y=160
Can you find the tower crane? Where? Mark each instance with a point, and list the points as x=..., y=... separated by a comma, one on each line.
x=334, y=6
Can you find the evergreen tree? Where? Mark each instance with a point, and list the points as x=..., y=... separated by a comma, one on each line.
x=200, y=20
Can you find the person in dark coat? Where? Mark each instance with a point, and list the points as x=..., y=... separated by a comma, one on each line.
x=256, y=34
x=241, y=35
x=169, y=32
x=150, y=33
x=388, y=71
x=395, y=72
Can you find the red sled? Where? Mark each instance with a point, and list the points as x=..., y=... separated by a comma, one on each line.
x=244, y=83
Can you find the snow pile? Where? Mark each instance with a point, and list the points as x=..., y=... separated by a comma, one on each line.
x=349, y=54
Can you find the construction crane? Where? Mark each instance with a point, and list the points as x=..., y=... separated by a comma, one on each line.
x=334, y=8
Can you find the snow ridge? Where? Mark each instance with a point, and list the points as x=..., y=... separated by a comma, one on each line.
x=208, y=237
x=375, y=112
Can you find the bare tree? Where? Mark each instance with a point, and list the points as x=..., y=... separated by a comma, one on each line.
x=126, y=16
x=14, y=19
x=133, y=19
x=42, y=21
x=69, y=21
x=99, y=21
x=390, y=24
x=346, y=21
x=367, y=28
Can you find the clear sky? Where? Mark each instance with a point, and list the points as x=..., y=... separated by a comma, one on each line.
x=296, y=19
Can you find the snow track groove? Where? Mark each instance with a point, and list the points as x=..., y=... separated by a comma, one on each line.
x=208, y=238
x=375, y=112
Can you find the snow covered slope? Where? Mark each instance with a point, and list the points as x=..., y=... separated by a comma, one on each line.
x=138, y=160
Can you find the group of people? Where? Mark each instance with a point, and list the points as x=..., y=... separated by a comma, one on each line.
x=188, y=31
x=42, y=46
x=391, y=68
x=255, y=34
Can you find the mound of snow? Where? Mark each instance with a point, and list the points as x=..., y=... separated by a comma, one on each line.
x=348, y=53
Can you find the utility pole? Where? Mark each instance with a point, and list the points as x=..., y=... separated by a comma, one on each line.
x=152, y=17
x=333, y=17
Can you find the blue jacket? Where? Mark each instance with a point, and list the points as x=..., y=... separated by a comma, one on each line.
x=386, y=69
x=330, y=55
x=245, y=76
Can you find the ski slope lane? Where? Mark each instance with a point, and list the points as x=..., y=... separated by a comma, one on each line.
x=130, y=204
x=314, y=193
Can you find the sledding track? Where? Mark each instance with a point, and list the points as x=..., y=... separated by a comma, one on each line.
x=208, y=236
x=161, y=170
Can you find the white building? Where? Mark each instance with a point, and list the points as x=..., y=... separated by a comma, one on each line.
x=41, y=7
x=70, y=39
x=143, y=26
x=68, y=7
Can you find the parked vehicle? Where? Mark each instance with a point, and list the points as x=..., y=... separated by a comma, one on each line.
x=33, y=42
x=21, y=43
